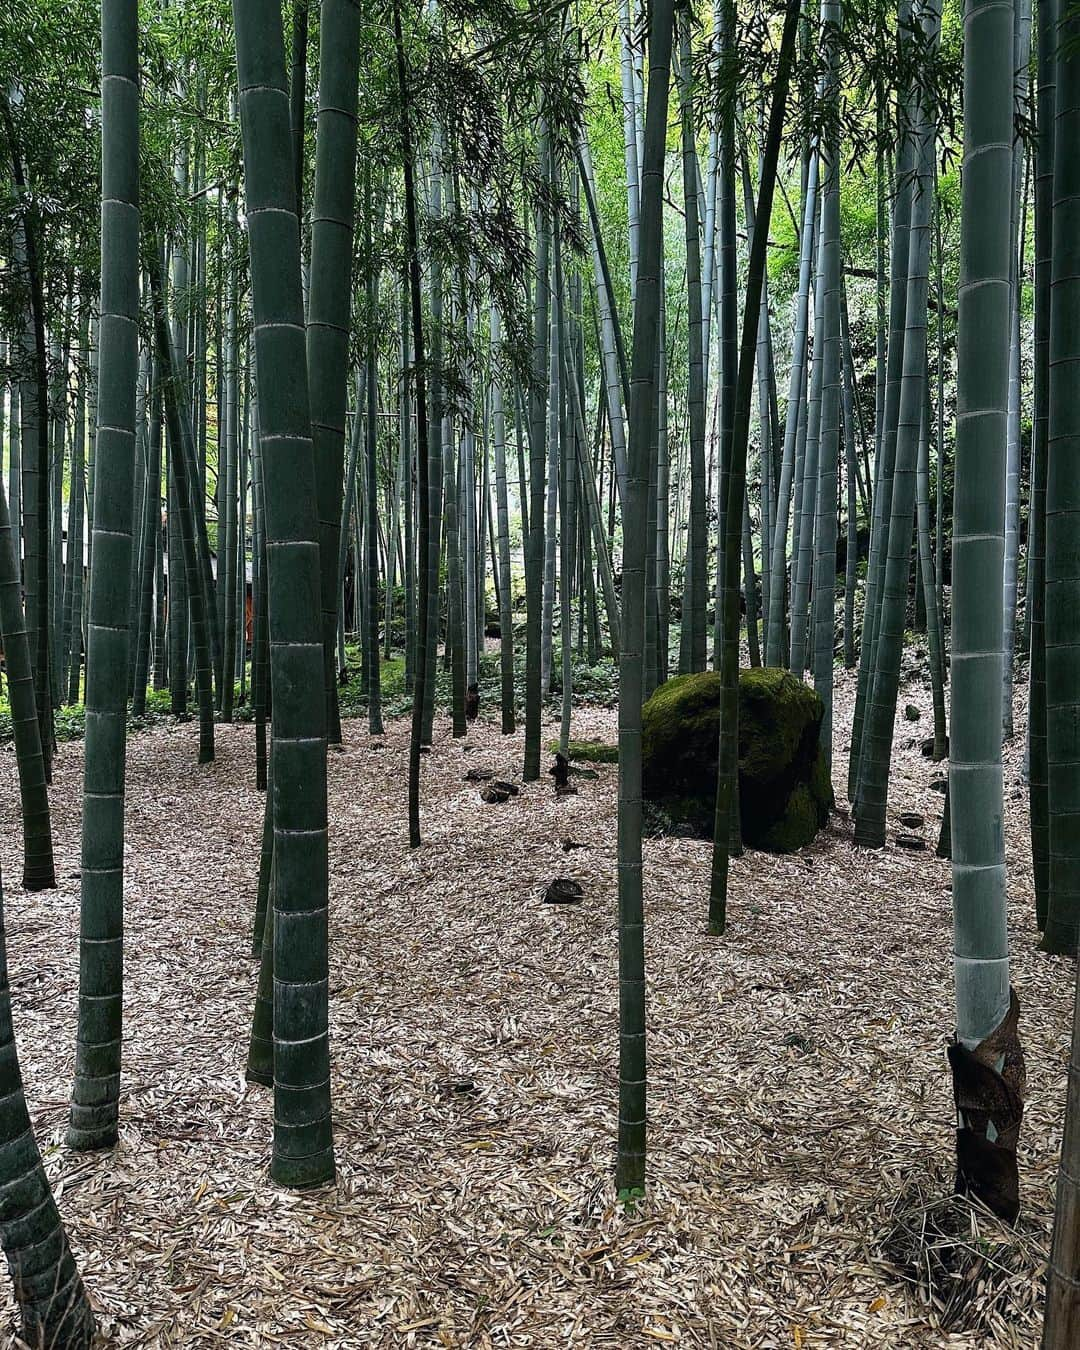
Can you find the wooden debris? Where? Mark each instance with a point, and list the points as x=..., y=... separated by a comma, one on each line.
x=560, y=771
x=564, y=891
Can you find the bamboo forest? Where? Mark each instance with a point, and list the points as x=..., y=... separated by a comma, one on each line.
x=540, y=674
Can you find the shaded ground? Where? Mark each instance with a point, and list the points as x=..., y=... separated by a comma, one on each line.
x=797, y=1069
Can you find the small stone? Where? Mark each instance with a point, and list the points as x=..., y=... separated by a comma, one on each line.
x=501, y=785
x=928, y=747
x=478, y=775
x=911, y=820
x=568, y=844
x=939, y=785
x=911, y=841
x=912, y=713
x=493, y=795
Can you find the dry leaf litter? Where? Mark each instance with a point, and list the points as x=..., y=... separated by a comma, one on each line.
x=800, y=1110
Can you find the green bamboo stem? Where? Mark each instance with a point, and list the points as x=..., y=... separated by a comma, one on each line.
x=329, y=299
x=981, y=946
x=303, y=1153
x=727, y=774
x=38, y=868
x=1038, y=787
x=95, y=1100
x=53, y=1307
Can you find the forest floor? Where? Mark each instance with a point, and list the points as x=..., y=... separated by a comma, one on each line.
x=800, y=1107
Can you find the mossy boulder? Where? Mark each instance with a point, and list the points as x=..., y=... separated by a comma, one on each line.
x=784, y=787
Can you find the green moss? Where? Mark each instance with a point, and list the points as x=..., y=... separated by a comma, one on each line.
x=589, y=752
x=784, y=790
x=796, y=827
x=774, y=711
x=680, y=731
x=685, y=706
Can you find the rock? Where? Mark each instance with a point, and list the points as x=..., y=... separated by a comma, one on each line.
x=911, y=820
x=564, y=891
x=568, y=844
x=939, y=785
x=912, y=713
x=784, y=788
x=501, y=785
x=911, y=841
x=927, y=747
x=494, y=794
